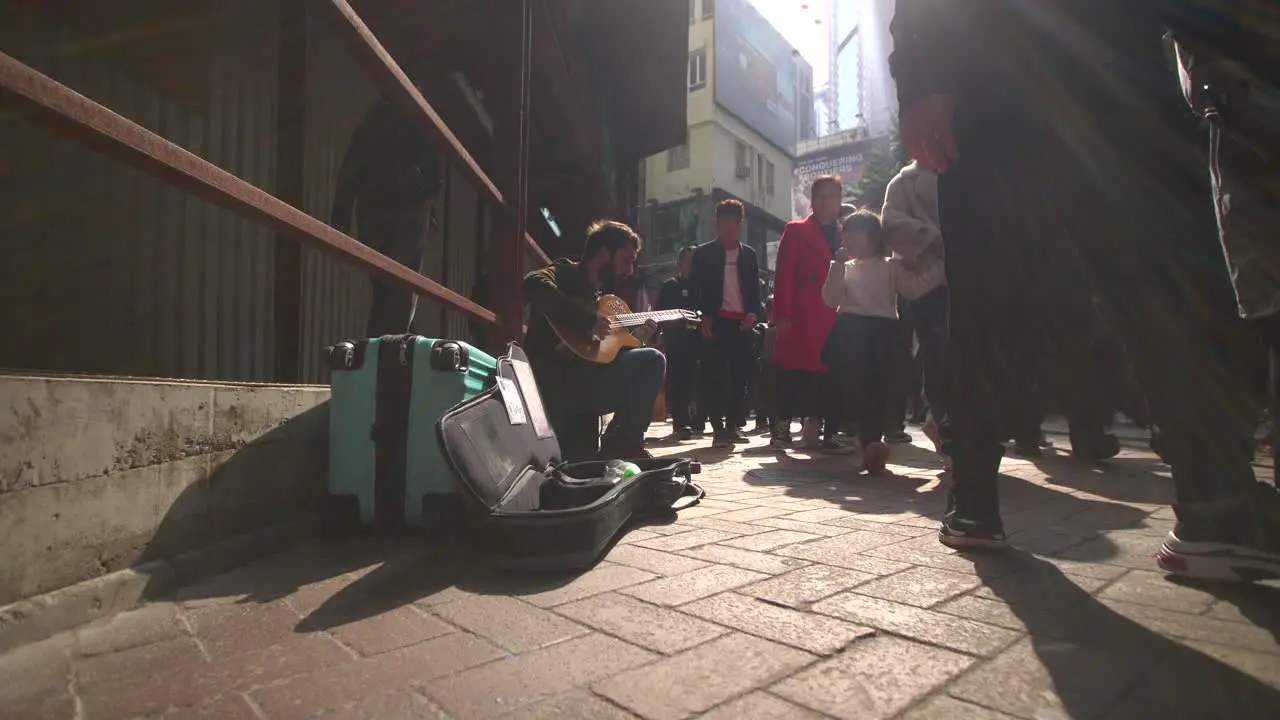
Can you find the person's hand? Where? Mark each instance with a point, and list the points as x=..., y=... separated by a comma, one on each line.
x=1223, y=88
x=927, y=133
x=749, y=321
x=646, y=332
x=706, y=328
x=601, y=329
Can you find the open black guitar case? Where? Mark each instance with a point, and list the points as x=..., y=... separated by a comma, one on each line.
x=531, y=511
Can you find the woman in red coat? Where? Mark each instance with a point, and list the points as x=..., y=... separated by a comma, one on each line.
x=802, y=319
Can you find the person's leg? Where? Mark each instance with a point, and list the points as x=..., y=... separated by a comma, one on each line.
x=767, y=399
x=932, y=313
x=878, y=344
x=401, y=237
x=787, y=390
x=680, y=377
x=627, y=387
x=699, y=349
x=711, y=375
x=717, y=388
x=739, y=372
x=979, y=209
x=898, y=378
x=1228, y=523
x=1158, y=256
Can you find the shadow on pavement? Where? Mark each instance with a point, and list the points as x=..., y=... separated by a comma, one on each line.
x=1101, y=663
x=1129, y=479
x=429, y=574
x=1257, y=603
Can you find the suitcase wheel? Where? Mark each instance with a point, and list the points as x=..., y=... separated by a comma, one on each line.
x=449, y=357
x=342, y=356
x=340, y=517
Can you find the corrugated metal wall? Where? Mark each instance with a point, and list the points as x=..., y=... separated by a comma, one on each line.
x=467, y=227
x=122, y=274
x=104, y=270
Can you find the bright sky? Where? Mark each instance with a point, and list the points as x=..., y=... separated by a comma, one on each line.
x=795, y=19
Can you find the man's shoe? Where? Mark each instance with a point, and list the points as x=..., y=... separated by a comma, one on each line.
x=1239, y=542
x=1026, y=449
x=832, y=446
x=971, y=535
x=811, y=433
x=683, y=434
x=618, y=451
x=721, y=440
x=1097, y=449
x=736, y=437
x=934, y=433
x=898, y=437
x=780, y=439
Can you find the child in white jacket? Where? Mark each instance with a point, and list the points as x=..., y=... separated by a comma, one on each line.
x=911, y=224
x=862, y=351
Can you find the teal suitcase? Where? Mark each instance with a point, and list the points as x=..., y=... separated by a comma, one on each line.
x=388, y=393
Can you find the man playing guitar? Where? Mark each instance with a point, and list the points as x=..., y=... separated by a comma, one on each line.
x=565, y=295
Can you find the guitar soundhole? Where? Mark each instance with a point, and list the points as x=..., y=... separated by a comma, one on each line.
x=613, y=306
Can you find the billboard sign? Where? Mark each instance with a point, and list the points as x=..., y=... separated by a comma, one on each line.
x=845, y=161
x=759, y=77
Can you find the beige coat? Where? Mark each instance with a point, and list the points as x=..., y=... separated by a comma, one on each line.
x=910, y=212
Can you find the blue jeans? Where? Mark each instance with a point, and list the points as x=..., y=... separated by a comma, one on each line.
x=627, y=387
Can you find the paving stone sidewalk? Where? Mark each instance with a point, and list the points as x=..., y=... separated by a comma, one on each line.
x=795, y=590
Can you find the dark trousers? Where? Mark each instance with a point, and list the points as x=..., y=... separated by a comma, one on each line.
x=805, y=394
x=864, y=354
x=726, y=363
x=682, y=378
x=901, y=374
x=767, y=392
x=400, y=234
x=930, y=317
x=1025, y=198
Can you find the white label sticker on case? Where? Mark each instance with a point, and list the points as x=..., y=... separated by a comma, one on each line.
x=511, y=398
x=529, y=386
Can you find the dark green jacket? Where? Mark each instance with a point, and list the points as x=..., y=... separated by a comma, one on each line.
x=561, y=293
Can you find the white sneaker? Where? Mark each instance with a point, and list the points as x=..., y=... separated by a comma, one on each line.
x=811, y=435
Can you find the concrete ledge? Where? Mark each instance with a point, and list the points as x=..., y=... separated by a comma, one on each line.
x=40, y=617
x=114, y=491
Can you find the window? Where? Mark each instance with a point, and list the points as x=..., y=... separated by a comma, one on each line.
x=741, y=159
x=708, y=8
x=693, y=10
x=698, y=69
x=678, y=158
x=769, y=187
x=760, y=171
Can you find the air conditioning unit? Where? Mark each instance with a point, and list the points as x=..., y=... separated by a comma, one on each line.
x=742, y=171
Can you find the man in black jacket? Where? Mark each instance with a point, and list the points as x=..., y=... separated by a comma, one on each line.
x=1058, y=124
x=681, y=345
x=726, y=283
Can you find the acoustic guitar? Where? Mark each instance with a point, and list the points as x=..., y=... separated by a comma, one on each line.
x=621, y=322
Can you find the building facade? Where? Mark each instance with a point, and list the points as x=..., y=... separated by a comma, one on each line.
x=108, y=269
x=750, y=102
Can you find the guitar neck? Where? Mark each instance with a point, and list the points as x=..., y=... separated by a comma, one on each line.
x=655, y=315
